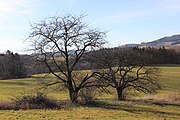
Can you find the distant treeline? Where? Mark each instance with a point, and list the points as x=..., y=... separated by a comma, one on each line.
x=149, y=56
x=19, y=66
x=159, y=55
x=11, y=66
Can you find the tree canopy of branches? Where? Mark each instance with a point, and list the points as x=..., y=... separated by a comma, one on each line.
x=11, y=66
x=125, y=68
x=59, y=43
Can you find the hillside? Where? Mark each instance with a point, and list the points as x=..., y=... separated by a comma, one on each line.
x=169, y=42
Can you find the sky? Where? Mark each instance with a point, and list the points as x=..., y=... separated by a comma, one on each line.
x=125, y=21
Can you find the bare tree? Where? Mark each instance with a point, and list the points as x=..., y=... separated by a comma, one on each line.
x=60, y=42
x=124, y=68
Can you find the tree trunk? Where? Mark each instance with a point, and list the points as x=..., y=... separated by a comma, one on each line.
x=120, y=94
x=73, y=95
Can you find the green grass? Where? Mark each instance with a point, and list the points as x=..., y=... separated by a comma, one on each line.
x=170, y=81
x=165, y=105
x=9, y=88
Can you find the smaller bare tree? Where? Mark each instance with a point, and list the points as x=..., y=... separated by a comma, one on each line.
x=123, y=68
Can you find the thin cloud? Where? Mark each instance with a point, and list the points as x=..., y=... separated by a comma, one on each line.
x=15, y=7
x=165, y=8
x=10, y=5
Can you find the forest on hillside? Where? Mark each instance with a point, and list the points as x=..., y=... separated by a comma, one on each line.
x=13, y=65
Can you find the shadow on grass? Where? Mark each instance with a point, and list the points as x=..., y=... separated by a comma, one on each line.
x=136, y=107
x=159, y=103
x=15, y=83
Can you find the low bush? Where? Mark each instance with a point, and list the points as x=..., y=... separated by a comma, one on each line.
x=7, y=106
x=87, y=95
x=38, y=100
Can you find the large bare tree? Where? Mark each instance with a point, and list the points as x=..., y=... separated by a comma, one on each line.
x=124, y=69
x=60, y=42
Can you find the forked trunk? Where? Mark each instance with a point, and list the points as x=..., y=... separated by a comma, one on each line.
x=73, y=96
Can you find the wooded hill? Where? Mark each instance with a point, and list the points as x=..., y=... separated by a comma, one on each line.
x=172, y=42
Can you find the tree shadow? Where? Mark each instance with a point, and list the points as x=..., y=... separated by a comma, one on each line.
x=159, y=103
x=15, y=83
x=135, y=107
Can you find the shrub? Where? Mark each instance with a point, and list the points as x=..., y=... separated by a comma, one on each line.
x=87, y=95
x=7, y=106
x=38, y=100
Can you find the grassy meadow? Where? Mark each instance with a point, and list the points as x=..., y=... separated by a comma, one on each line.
x=165, y=105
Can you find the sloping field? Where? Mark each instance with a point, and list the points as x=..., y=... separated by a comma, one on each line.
x=165, y=105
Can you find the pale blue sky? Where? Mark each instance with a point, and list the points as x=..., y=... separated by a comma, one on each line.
x=127, y=21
